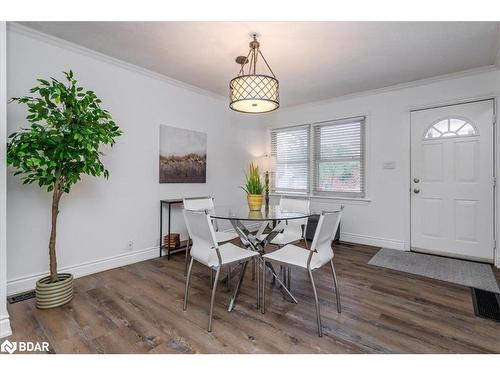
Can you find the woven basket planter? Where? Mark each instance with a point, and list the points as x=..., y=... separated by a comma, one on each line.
x=255, y=202
x=50, y=295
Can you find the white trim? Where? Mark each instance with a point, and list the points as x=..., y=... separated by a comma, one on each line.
x=496, y=164
x=397, y=87
x=27, y=31
x=453, y=102
x=28, y=282
x=373, y=241
x=496, y=144
x=353, y=200
x=5, y=329
x=58, y=42
x=364, y=119
x=497, y=57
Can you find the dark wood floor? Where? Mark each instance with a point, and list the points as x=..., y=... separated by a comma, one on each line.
x=138, y=309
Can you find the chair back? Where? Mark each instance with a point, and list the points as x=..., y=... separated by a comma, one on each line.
x=199, y=204
x=328, y=224
x=201, y=232
x=295, y=205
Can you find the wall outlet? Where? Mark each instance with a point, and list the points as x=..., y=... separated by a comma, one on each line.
x=130, y=245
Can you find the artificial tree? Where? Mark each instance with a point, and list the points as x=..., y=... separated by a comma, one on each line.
x=67, y=126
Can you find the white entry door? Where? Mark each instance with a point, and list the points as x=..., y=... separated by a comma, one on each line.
x=452, y=181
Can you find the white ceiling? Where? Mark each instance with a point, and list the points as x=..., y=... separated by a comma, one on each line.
x=312, y=60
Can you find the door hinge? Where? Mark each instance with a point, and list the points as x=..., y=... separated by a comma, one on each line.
x=494, y=244
x=494, y=181
x=494, y=119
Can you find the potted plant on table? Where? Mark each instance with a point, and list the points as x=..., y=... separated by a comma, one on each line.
x=66, y=129
x=254, y=188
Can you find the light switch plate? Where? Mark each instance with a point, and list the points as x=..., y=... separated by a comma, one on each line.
x=389, y=165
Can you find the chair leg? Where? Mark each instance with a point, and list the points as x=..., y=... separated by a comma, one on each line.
x=229, y=278
x=263, y=305
x=186, y=257
x=238, y=286
x=211, y=278
x=254, y=268
x=336, y=284
x=188, y=279
x=213, y=299
x=257, y=281
x=318, y=314
x=286, y=278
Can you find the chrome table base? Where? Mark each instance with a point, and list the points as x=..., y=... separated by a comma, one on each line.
x=258, y=246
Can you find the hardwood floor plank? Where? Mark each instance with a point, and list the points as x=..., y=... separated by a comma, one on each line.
x=138, y=309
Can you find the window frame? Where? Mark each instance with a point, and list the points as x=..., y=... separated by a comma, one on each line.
x=448, y=119
x=312, y=172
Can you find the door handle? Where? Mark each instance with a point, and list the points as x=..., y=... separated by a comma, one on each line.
x=416, y=190
x=416, y=180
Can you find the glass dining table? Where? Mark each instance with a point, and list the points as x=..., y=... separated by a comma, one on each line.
x=241, y=218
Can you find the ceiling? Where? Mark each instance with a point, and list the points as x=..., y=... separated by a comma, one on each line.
x=312, y=60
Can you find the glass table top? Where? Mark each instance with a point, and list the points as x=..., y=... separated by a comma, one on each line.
x=242, y=212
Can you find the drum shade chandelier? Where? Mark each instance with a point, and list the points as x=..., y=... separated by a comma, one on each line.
x=251, y=92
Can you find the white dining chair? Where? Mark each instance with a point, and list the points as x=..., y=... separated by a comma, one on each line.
x=207, y=251
x=294, y=230
x=207, y=204
x=320, y=253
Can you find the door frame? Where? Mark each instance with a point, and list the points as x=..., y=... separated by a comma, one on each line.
x=496, y=142
x=5, y=327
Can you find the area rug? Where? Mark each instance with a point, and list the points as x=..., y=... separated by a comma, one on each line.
x=472, y=274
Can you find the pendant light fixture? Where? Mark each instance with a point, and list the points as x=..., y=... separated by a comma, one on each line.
x=251, y=92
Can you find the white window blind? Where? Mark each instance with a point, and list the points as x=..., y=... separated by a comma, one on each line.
x=290, y=146
x=339, y=158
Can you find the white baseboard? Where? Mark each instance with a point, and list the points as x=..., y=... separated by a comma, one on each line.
x=5, y=329
x=28, y=282
x=373, y=241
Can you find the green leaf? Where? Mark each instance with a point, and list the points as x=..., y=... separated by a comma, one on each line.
x=66, y=128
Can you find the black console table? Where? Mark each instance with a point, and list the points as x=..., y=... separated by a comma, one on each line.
x=170, y=203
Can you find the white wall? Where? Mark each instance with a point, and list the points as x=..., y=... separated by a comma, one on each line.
x=4, y=316
x=384, y=220
x=99, y=217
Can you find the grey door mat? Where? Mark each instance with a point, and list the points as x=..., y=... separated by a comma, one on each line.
x=462, y=272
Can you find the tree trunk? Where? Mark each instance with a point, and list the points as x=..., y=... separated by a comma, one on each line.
x=56, y=197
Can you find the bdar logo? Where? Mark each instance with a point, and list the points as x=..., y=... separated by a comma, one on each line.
x=8, y=347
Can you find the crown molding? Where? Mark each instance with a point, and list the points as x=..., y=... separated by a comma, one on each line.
x=399, y=86
x=62, y=43
x=497, y=57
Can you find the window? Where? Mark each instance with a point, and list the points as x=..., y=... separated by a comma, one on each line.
x=450, y=127
x=339, y=158
x=337, y=163
x=291, y=148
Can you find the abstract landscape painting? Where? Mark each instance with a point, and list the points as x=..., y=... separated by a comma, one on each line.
x=183, y=155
